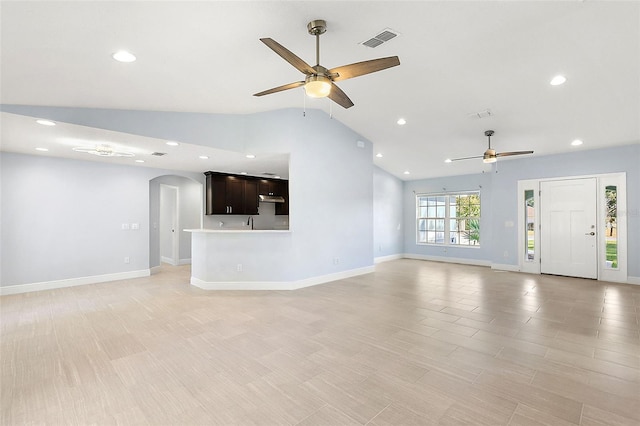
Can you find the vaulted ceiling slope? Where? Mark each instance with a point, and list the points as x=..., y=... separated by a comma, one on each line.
x=457, y=59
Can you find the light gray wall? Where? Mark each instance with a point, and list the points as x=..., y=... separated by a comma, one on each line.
x=190, y=212
x=387, y=214
x=330, y=179
x=63, y=219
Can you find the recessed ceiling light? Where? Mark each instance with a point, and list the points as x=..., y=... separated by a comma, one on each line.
x=276, y=177
x=46, y=122
x=448, y=160
x=124, y=56
x=203, y=157
x=406, y=172
x=401, y=121
x=576, y=142
x=379, y=155
x=243, y=173
x=139, y=161
x=42, y=149
x=558, y=80
x=250, y=156
x=171, y=143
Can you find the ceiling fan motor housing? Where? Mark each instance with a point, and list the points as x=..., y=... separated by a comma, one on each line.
x=317, y=27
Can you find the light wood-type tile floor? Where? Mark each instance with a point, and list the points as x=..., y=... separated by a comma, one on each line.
x=416, y=342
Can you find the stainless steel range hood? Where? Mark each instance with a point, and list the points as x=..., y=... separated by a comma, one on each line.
x=271, y=198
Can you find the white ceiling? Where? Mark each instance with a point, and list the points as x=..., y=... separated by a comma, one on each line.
x=456, y=58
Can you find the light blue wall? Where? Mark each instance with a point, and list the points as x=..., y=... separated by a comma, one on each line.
x=387, y=214
x=479, y=182
x=579, y=163
x=330, y=177
x=499, y=238
x=62, y=219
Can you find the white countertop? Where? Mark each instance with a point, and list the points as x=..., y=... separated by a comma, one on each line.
x=239, y=231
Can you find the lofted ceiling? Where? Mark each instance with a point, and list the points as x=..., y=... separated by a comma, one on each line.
x=457, y=59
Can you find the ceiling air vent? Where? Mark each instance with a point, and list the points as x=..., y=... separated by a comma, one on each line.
x=268, y=174
x=158, y=154
x=383, y=37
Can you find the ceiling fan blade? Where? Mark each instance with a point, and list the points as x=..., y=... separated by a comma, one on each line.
x=280, y=88
x=288, y=56
x=339, y=97
x=467, y=158
x=507, y=154
x=361, y=68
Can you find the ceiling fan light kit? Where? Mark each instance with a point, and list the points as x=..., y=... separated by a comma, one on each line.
x=317, y=86
x=319, y=81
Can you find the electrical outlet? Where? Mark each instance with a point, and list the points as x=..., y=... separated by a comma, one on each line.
x=135, y=226
x=239, y=267
x=125, y=226
x=336, y=260
x=127, y=259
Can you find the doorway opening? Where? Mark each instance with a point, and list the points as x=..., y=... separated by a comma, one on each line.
x=175, y=204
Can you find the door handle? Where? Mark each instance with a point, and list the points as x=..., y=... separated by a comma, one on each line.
x=590, y=233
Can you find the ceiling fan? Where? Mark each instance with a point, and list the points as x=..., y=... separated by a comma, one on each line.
x=490, y=155
x=319, y=81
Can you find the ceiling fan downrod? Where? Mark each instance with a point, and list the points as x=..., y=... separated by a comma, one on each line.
x=317, y=28
x=489, y=133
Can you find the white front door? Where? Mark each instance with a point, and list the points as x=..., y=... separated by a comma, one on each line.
x=568, y=228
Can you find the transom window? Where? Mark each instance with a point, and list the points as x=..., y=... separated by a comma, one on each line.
x=448, y=219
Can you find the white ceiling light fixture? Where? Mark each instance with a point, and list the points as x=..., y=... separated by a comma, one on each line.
x=243, y=173
x=171, y=143
x=407, y=172
x=203, y=157
x=46, y=122
x=276, y=177
x=103, y=151
x=401, y=121
x=139, y=161
x=448, y=160
x=124, y=56
x=379, y=155
x=558, y=80
x=576, y=142
x=42, y=149
x=250, y=156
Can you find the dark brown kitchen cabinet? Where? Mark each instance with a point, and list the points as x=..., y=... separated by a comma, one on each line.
x=282, y=189
x=230, y=194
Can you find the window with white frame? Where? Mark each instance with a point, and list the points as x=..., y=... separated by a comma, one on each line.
x=448, y=219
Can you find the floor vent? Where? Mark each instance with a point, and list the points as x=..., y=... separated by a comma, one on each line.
x=383, y=37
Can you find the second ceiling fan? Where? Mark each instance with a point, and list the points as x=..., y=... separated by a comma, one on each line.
x=490, y=155
x=319, y=81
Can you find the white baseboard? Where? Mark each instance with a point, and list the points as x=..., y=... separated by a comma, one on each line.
x=633, y=280
x=280, y=285
x=505, y=267
x=387, y=258
x=462, y=261
x=184, y=261
x=155, y=269
x=168, y=260
x=72, y=282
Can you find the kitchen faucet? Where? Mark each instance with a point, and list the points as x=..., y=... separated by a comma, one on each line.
x=250, y=220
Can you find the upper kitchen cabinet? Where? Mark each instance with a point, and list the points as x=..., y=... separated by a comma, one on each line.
x=230, y=194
